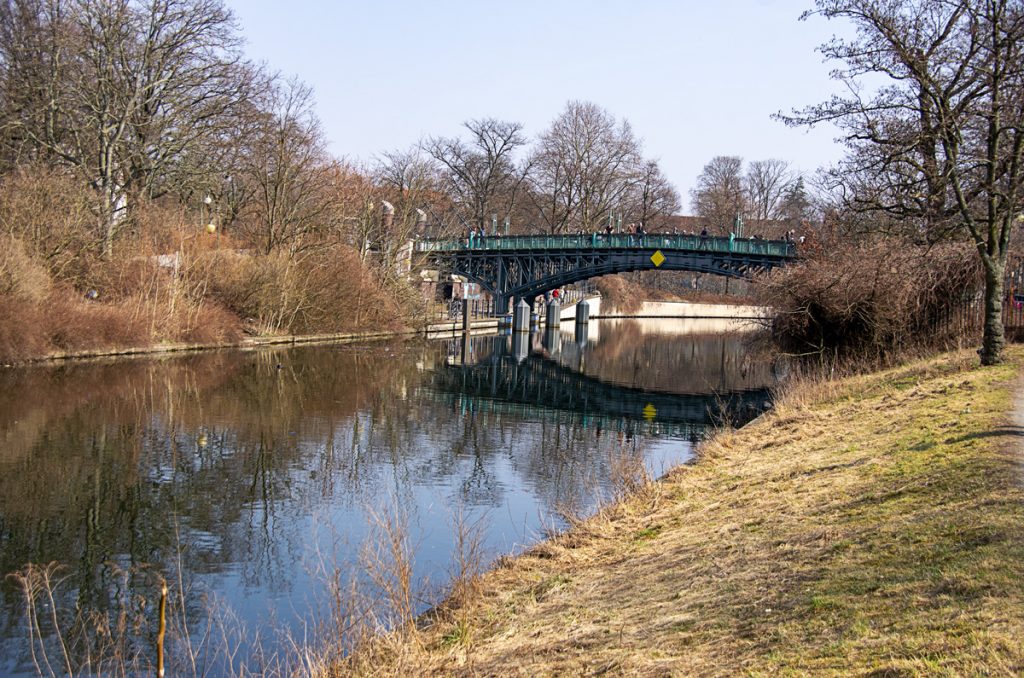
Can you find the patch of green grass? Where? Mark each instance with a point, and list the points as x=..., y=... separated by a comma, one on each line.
x=819, y=603
x=458, y=635
x=922, y=446
x=683, y=626
x=647, y=534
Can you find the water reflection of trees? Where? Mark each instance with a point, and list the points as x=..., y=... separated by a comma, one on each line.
x=226, y=458
x=123, y=463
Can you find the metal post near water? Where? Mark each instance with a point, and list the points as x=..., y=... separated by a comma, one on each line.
x=521, y=317
x=582, y=335
x=466, y=323
x=582, y=313
x=520, y=346
x=552, y=341
x=554, y=314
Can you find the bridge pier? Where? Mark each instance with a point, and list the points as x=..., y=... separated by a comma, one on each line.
x=582, y=334
x=520, y=346
x=521, y=317
x=552, y=341
x=554, y=314
x=582, y=313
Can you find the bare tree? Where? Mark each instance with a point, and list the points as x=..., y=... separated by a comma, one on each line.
x=481, y=176
x=119, y=90
x=408, y=181
x=719, y=196
x=35, y=37
x=652, y=198
x=290, y=174
x=939, y=145
x=765, y=183
x=584, y=166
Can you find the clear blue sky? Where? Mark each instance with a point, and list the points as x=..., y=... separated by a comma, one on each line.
x=695, y=78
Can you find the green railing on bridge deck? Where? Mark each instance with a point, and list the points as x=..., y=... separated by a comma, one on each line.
x=616, y=241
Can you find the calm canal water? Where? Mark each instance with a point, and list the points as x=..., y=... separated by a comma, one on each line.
x=249, y=480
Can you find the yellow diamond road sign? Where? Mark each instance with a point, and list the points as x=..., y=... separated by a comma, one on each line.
x=658, y=258
x=650, y=412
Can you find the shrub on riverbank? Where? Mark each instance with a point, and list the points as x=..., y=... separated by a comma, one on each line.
x=329, y=290
x=871, y=298
x=166, y=281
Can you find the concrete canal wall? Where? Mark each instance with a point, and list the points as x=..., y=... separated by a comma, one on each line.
x=696, y=318
x=569, y=312
x=674, y=326
x=686, y=309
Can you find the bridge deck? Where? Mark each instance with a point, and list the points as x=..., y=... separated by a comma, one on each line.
x=615, y=241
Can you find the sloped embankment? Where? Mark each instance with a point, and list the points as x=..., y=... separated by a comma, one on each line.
x=868, y=525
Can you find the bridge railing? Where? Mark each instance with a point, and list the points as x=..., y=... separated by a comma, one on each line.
x=616, y=241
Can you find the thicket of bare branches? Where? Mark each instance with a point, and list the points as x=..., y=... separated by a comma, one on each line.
x=482, y=176
x=871, y=297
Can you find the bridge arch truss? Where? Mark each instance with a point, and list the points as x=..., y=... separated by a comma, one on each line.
x=524, y=267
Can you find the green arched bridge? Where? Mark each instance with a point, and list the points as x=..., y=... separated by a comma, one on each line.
x=522, y=267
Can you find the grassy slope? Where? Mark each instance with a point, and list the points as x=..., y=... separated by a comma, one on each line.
x=869, y=525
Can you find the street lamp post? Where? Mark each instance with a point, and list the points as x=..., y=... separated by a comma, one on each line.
x=211, y=224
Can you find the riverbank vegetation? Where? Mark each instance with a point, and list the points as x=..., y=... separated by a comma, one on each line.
x=932, y=121
x=869, y=298
x=868, y=525
x=168, y=281
x=159, y=187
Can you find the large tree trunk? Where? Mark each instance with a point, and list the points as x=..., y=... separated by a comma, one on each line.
x=993, y=338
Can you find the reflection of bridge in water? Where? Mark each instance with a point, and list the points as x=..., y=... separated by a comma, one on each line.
x=537, y=387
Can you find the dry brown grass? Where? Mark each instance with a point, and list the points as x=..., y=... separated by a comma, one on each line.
x=869, y=526
x=166, y=281
x=195, y=295
x=325, y=291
